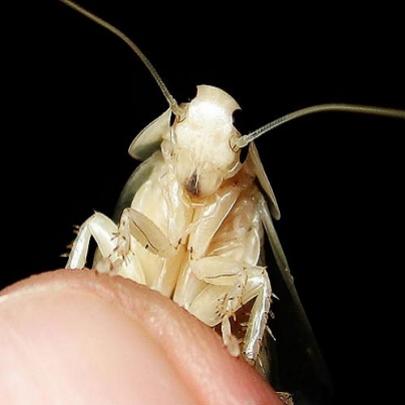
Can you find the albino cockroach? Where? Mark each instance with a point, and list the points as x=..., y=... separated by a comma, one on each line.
x=191, y=220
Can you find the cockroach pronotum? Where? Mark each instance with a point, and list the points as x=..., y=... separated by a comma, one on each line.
x=192, y=219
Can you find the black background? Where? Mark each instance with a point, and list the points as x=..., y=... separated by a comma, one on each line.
x=79, y=96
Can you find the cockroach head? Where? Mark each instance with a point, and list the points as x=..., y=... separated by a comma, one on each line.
x=199, y=143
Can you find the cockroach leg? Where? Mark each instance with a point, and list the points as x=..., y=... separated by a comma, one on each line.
x=146, y=232
x=113, y=260
x=230, y=341
x=260, y=283
x=102, y=229
x=233, y=286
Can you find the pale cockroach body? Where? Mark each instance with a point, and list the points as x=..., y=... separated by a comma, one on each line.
x=193, y=230
x=191, y=220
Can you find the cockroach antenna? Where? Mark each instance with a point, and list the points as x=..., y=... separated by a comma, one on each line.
x=244, y=140
x=170, y=99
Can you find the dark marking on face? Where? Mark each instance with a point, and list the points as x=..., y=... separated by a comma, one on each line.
x=192, y=185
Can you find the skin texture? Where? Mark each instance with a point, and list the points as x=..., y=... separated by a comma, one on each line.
x=81, y=337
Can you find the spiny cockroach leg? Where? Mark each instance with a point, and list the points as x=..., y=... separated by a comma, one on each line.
x=101, y=228
x=258, y=317
x=146, y=232
x=230, y=341
x=286, y=398
x=270, y=332
x=114, y=257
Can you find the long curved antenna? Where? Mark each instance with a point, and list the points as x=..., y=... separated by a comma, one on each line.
x=352, y=108
x=170, y=99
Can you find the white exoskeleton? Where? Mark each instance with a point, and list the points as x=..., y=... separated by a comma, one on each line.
x=193, y=230
x=192, y=217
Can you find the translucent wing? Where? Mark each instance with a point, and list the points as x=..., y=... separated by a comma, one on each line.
x=150, y=138
x=138, y=177
x=297, y=365
x=254, y=158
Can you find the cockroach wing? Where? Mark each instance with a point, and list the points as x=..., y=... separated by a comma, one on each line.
x=253, y=156
x=150, y=138
x=296, y=363
x=138, y=177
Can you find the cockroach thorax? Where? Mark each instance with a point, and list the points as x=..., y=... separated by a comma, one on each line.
x=215, y=96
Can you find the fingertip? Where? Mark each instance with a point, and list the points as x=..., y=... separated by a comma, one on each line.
x=94, y=336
